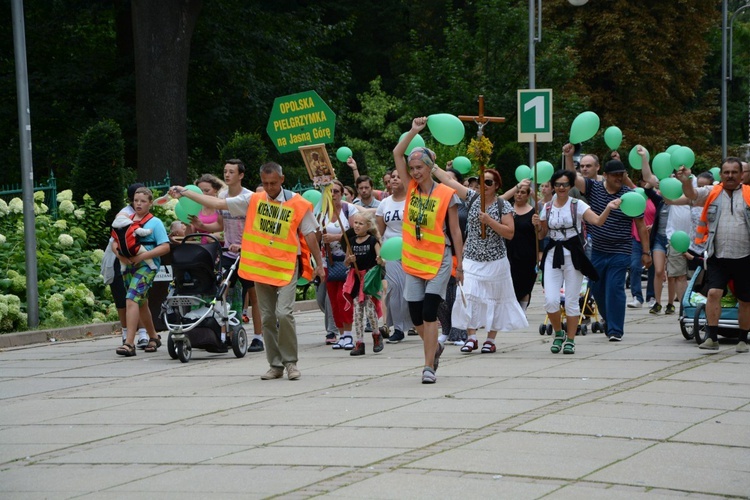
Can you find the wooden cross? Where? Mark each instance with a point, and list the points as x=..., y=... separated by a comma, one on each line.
x=481, y=121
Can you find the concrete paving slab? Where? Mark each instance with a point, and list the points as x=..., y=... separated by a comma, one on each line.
x=330, y=456
x=677, y=400
x=687, y=467
x=730, y=429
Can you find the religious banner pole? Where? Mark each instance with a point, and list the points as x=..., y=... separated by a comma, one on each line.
x=481, y=121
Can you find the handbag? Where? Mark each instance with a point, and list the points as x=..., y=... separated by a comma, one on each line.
x=373, y=281
x=337, y=270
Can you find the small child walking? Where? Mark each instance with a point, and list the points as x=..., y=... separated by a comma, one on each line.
x=364, y=254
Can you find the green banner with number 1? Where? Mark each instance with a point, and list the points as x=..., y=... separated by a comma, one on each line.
x=535, y=115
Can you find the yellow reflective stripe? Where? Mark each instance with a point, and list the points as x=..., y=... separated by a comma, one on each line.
x=282, y=264
x=413, y=264
x=426, y=236
x=276, y=243
x=421, y=252
x=259, y=271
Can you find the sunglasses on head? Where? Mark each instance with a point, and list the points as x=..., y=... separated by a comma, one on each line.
x=489, y=182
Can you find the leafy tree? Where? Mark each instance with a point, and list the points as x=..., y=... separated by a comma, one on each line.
x=251, y=149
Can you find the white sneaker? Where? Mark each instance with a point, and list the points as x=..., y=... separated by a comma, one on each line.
x=651, y=302
x=635, y=304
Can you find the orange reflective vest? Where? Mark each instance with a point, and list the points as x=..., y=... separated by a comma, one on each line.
x=425, y=217
x=271, y=240
x=706, y=227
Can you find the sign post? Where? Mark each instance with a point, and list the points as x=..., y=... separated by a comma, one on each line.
x=535, y=115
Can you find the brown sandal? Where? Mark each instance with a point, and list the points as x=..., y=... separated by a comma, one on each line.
x=126, y=350
x=153, y=345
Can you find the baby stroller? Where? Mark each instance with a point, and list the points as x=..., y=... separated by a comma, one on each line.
x=195, y=308
x=588, y=310
x=693, y=311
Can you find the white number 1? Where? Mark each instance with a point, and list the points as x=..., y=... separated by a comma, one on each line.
x=538, y=104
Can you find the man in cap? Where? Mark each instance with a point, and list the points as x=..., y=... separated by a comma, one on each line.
x=611, y=242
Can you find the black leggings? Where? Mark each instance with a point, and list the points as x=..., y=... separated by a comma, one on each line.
x=117, y=287
x=425, y=310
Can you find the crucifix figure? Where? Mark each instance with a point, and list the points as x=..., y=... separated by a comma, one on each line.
x=481, y=121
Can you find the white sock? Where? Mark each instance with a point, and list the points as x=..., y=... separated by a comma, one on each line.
x=472, y=337
x=491, y=341
x=142, y=333
x=442, y=338
x=124, y=334
x=347, y=333
x=259, y=337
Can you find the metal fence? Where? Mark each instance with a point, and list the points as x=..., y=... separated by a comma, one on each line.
x=49, y=187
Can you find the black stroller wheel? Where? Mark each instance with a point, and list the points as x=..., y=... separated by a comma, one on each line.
x=171, y=347
x=700, y=332
x=542, y=329
x=239, y=342
x=184, y=350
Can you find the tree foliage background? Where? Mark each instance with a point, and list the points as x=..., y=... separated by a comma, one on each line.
x=651, y=68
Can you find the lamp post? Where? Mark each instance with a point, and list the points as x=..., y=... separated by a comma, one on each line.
x=535, y=36
x=726, y=66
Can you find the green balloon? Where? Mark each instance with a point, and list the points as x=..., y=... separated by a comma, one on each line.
x=302, y=281
x=716, y=172
x=462, y=164
x=446, y=129
x=680, y=241
x=635, y=159
x=682, y=156
x=179, y=211
x=391, y=249
x=343, y=153
x=313, y=196
x=662, y=165
x=543, y=172
x=670, y=188
x=191, y=207
x=523, y=172
x=613, y=137
x=641, y=192
x=633, y=204
x=584, y=127
x=416, y=142
x=671, y=149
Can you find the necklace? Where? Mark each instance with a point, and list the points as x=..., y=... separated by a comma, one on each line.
x=278, y=217
x=421, y=217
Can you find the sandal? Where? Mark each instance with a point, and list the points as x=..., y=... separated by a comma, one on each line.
x=153, y=345
x=558, y=342
x=569, y=347
x=126, y=350
x=470, y=345
x=488, y=347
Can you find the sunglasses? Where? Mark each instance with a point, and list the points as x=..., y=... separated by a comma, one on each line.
x=562, y=184
x=489, y=182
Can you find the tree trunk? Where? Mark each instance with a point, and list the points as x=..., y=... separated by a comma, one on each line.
x=162, y=31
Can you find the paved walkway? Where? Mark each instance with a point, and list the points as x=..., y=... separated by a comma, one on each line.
x=650, y=417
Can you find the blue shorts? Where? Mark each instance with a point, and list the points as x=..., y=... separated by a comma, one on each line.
x=660, y=243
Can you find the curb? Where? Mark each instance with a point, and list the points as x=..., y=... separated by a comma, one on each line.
x=21, y=339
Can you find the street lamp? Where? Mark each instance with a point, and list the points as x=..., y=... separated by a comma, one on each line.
x=535, y=36
x=726, y=68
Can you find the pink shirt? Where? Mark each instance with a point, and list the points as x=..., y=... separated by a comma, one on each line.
x=648, y=218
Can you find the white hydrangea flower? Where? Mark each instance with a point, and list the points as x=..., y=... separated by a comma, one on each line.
x=61, y=224
x=106, y=205
x=79, y=213
x=40, y=208
x=78, y=233
x=55, y=302
x=38, y=195
x=57, y=317
x=64, y=259
x=86, y=197
x=67, y=207
x=3, y=207
x=65, y=240
x=16, y=206
x=3, y=239
x=97, y=256
x=171, y=204
x=66, y=195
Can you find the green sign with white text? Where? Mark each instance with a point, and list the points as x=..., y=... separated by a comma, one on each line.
x=535, y=115
x=300, y=120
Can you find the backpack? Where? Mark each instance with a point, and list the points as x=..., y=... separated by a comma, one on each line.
x=573, y=215
x=127, y=238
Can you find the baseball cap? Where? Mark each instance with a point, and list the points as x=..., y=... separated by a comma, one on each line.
x=613, y=167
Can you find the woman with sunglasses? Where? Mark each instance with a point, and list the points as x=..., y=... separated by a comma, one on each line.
x=564, y=260
x=486, y=300
x=334, y=253
x=427, y=253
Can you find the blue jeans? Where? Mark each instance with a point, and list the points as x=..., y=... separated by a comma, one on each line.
x=636, y=288
x=609, y=291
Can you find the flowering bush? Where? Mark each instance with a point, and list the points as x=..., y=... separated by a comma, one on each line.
x=71, y=289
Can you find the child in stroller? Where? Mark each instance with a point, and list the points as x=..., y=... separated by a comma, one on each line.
x=196, y=311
